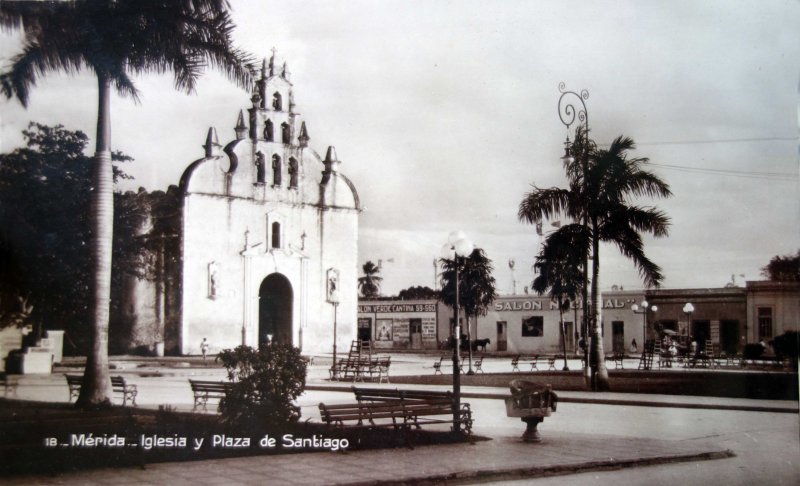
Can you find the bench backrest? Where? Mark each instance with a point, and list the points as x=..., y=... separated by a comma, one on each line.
x=76, y=380
x=383, y=394
x=212, y=386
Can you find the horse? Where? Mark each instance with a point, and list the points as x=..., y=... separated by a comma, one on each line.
x=480, y=343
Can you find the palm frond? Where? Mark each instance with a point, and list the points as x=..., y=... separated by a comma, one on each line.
x=542, y=204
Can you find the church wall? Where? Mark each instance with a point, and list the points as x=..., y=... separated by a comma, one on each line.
x=339, y=231
x=210, y=233
x=220, y=317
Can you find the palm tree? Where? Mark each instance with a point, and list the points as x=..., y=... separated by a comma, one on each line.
x=370, y=283
x=560, y=270
x=476, y=289
x=115, y=39
x=601, y=184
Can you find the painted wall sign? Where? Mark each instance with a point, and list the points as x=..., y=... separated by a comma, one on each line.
x=546, y=304
x=395, y=308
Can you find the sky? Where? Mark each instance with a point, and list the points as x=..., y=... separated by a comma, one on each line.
x=445, y=113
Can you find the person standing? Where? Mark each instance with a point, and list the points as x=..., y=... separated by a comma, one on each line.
x=204, y=349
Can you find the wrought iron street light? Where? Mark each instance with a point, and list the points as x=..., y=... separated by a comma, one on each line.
x=645, y=306
x=569, y=112
x=688, y=309
x=457, y=246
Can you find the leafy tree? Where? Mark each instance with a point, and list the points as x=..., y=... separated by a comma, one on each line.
x=560, y=271
x=266, y=382
x=418, y=293
x=476, y=286
x=146, y=247
x=44, y=253
x=601, y=184
x=370, y=283
x=115, y=39
x=783, y=268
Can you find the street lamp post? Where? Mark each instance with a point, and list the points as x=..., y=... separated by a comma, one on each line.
x=688, y=309
x=568, y=113
x=645, y=307
x=458, y=245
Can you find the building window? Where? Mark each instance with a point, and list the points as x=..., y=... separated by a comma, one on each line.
x=764, y=323
x=292, y=172
x=276, y=170
x=268, y=131
x=276, y=235
x=533, y=326
x=277, y=102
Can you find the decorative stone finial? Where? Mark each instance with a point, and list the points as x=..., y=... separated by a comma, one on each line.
x=241, y=128
x=303, y=138
x=212, y=145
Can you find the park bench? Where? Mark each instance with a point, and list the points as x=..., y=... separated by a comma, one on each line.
x=348, y=368
x=532, y=360
x=357, y=368
x=402, y=410
x=204, y=391
x=118, y=385
x=618, y=359
x=421, y=406
x=446, y=360
x=478, y=363
x=551, y=363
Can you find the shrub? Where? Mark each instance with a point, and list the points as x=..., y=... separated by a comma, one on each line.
x=266, y=382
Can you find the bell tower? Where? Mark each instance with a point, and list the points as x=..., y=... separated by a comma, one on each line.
x=272, y=116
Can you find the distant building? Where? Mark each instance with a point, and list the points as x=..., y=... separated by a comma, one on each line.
x=728, y=317
x=267, y=238
x=399, y=324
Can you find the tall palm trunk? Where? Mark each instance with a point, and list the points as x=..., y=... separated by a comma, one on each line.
x=599, y=371
x=563, y=334
x=96, y=389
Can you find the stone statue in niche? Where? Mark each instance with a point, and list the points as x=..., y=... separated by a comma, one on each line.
x=260, y=176
x=213, y=280
x=292, y=173
x=276, y=170
x=268, y=131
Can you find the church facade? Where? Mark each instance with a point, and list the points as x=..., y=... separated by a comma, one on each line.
x=268, y=235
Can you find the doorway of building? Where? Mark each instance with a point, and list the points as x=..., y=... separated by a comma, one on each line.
x=701, y=331
x=416, y=333
x=729, y=336
x=502, y=336
x=275, y=299
x=364, y=329
x=618, y=337
x=569, y=336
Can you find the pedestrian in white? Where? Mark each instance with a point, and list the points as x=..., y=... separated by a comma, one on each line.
x=204, y=349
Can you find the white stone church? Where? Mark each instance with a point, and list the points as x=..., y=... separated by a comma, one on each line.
x=268, y=235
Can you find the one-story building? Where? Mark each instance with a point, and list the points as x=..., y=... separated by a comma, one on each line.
x=729, y=317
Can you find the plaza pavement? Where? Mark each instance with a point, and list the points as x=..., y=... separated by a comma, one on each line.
x=575, y=439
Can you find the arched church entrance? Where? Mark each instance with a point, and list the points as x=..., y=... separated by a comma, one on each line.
x=275, y=299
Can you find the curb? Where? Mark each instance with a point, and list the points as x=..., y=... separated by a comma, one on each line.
x=602, y=401
x=468, y=477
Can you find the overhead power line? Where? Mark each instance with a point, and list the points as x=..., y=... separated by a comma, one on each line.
x=783, y=176
x=722, y=140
